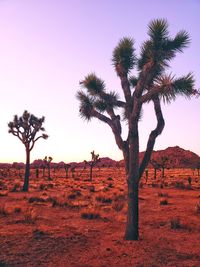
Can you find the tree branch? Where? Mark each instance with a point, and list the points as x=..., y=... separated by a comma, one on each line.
x=153, y=135
x=114, y=124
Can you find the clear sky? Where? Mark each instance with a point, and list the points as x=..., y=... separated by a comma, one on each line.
x=48, y=46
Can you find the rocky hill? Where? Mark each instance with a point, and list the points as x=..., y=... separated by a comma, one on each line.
x=177, y=157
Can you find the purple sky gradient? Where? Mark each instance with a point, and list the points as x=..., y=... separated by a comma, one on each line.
x=48, y=46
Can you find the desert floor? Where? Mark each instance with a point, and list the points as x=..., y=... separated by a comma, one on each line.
x=75, y=222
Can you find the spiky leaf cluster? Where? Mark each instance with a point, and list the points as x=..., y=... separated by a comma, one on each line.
x=96, y=97
x=171, y=87
x=94, y=85
x=161, y=48
x=26, y=127
x=123, y=56
x=150, y=81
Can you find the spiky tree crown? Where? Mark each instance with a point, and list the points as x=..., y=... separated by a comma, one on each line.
x=156, y=54
x=26, y=128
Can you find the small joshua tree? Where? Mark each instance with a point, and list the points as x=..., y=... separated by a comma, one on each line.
x=67, y=166
x=48, y=161
x=26, y=128
x=73, y=169
x=163, y=162
x=156, y=167
x=93, y=162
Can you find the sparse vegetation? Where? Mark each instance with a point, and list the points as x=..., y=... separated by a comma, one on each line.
x=30, y=215
x=90, y=214
x=175, y=223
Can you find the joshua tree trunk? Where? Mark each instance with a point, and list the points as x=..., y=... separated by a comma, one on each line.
x=155, y=171
x=91, y=172
x=132, y=232
x=163, y=172
x=27, y=170
x=49, y=172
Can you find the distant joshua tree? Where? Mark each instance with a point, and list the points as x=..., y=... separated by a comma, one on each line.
x=198, y=167
x=26, y=128
x=73, y=169
x=93, y=162
x=163, y=162
x=48, y=161
x=156, y=167
x=152, y=84
x=67, y=166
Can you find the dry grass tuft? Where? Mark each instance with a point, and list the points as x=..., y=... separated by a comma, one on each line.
x=30, y=216
x=90, y=214
x=175, y=223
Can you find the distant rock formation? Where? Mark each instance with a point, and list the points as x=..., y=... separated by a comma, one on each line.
x=178, y=158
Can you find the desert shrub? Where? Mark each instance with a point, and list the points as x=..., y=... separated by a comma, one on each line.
x=17, y=209
x=56, y=202
x=42, y=187
x=180, y=185
x=90, y=214
x=3, y=193
x=36, y=199
x=118, y=205
x=164, y=201
x=110, y=178
x=197, y=207
x=106, y=189
x=37, y=234
x=103, y=199
x=16, y=188
x=30, y=216
x=91, y=188
x=175, y=223
x=72, y=196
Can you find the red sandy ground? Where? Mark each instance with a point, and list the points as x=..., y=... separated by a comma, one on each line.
x=45, y=226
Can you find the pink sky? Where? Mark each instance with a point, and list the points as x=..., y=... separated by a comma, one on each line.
x=48, y=46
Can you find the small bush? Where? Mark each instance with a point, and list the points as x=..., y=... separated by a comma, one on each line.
x=42, y=187
x=175, y=223
x=3, y=194
x=72, y=196
x=90, y=215
x=30, y=216
x=16, y=188
x=36, y=199
x=37, y=234
x=17, y=209
x=164, y=201
x=118, y=205
x=180, y=185
x=103, y=199
x=91, y=188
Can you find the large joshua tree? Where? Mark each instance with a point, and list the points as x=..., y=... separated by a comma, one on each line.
x=150, y=84
x=26, y=128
